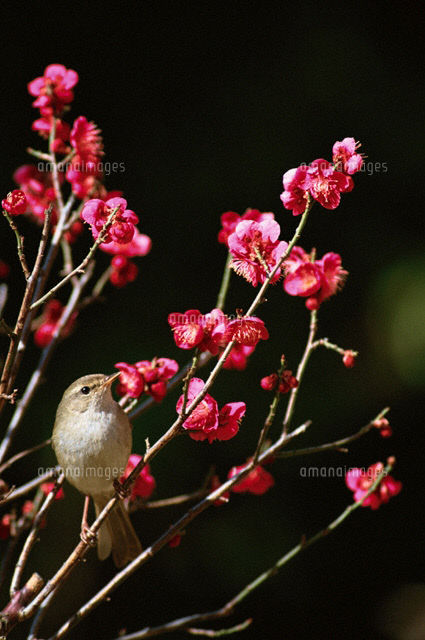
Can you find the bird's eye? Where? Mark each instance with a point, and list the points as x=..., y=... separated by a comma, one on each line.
x=85, y=390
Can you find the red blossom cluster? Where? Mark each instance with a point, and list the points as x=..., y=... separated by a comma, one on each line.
x=83, y=170
x=146, y=376
x=284, y=382
x=349, y=359
x=213, y=331
x=321, y=180
x=231, y=219
x=361, y=481
x=38, y=189
x=384, y=427
x=257, y=481
x=15, y=202
x=313, y=279
x=47, y=323
x=256, y=250
x=145, y=483
x=53, y=90
x=206, y=422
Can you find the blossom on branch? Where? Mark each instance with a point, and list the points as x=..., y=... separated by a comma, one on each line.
x=85, y=138
x=48, y=323
x=206, y=422
x=53, y=90
x=131, y=382
x=44, y=126
x=231, y=219
x=325, y=184
x=284, y=383
x=193, y=329
x=295, y=194
x=315, y=280
x=345, y=156
x=38, y=189
x=146, y=376
x=139, y=245
x=144, y=484
x=155, y=374
x=360, y=482
x=245, y=331
x=123, y=271
x=321, y=180
x=238, y=357
x=96, y=213
x=204, y=418
x=258, y=480
x=256, y=250
x=349, y=359
x=47, y=487
x=15, y=202
x=384, y=427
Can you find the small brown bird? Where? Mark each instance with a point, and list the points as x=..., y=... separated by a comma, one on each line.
x=92, y=441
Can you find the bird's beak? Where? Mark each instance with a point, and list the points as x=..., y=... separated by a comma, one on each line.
x=110, y=379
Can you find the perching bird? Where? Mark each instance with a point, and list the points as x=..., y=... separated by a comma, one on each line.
x=92, y=441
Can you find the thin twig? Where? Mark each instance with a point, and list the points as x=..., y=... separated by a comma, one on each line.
x=219, y=633
x=9, y=370
x=82, y=266
x=324, y=342
x=20, y=245
x=39, y=616
x=338, y=444
x=22, y=454
x=21, y=491
x=300, y=371
x=45, y=358
x=225, y=282
x=271, y=415
x=32, y=536
x=55, y=172
x=228, y=608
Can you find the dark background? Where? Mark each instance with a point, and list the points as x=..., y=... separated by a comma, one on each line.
x=207, y=106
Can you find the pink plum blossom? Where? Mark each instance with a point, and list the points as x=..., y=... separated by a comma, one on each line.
x=139, y=245
x=256, y=250
x=345, y=156
x=360, y=482
x=53, y=90
x=258, y=481
x=238, y=357
x=96, y=212
x=325, y=184
x=231, y=219
x=315, y=280
x=245, y=331
x=144, y=484
x=204, y=418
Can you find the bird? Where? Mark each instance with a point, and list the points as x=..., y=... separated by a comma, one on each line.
x=92, y=440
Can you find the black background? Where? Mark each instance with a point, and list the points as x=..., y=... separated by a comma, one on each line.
x=206, y=106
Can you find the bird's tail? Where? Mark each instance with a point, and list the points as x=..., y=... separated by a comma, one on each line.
x=116, y=534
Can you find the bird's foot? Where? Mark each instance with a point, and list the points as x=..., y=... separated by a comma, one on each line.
x=87, y=536
x=123, y=493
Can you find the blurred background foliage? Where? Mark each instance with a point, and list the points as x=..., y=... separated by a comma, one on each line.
x=207, y=105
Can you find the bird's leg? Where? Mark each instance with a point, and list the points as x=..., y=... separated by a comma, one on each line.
x=123, y=493
x=86, y=535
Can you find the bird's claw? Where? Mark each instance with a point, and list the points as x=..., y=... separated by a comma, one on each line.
x=123, y=493
x=88, y=537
